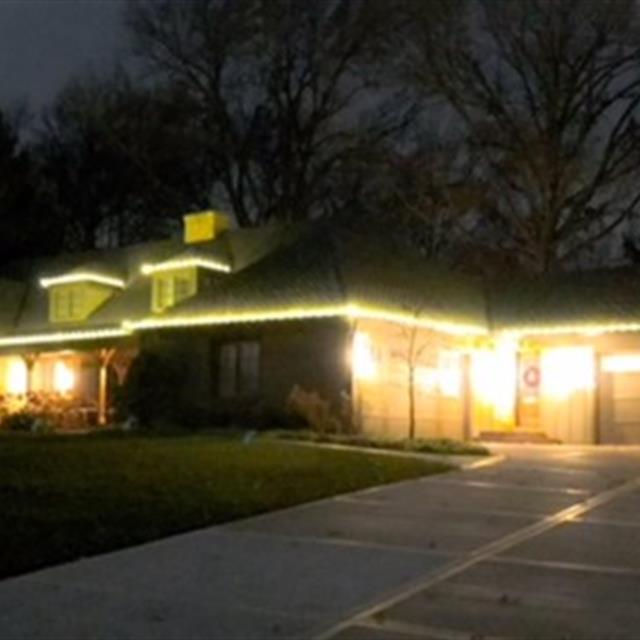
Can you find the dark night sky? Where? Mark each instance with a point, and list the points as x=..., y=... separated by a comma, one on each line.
x=44, y=42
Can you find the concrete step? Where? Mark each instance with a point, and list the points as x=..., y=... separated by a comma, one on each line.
x=517, y=435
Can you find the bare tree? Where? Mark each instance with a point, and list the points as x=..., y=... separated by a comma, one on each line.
x=416, y=342
x=547, y=93
x=427, y=196
x=286, y=93
x=120, y=159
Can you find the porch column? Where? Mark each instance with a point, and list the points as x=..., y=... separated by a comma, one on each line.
x=30, y=360
x=106, y=356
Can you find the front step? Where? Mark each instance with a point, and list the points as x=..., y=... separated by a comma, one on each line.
x=518, y=435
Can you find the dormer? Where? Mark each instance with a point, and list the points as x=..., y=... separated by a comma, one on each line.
x=75, y=295
x=182, y=276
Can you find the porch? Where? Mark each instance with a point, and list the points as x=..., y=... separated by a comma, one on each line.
x=65, y=390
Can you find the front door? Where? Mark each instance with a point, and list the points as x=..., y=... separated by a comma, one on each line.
x=528, y=402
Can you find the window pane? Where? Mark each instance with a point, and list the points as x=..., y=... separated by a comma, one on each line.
x=75, y=300
x=249, y=378
x=182, y=286
x=227, y=371
x=162, y=293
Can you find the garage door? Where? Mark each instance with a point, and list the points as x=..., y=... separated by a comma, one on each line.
x=620, y=409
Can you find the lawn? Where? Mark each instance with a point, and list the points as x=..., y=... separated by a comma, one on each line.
x=66, y=497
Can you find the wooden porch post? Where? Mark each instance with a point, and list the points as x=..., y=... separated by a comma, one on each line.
x=106, y=355
x=30, y=361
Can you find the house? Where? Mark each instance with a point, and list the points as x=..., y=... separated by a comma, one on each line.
x=247, y=314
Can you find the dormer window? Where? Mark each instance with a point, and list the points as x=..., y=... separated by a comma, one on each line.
x=67, y=303
x=171, y=287
x=181, y=276
x=74, y=296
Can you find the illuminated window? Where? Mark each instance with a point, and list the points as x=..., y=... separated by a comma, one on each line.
x=239, y=369
x=67, y=303
x=365, y=364
x=621, y=363
x=566, y=370
x=450, y=374
x=172, y=287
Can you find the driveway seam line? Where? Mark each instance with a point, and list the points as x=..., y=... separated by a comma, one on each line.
x=418, y=630
x=483, y=553
x=567, y=566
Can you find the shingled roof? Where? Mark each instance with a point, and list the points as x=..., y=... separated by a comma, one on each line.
x=316, y=265
x=605, y=297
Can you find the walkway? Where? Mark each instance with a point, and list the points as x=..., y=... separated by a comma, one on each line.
x=546, y=544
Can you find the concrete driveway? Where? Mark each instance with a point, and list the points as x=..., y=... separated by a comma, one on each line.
x=546, y=544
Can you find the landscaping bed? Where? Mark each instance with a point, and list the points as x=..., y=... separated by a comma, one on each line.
x=67, y=497
x=418, y=445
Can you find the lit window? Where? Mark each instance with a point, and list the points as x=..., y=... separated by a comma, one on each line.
x=182, y=288
x=365, y=365
x=162, y=292
x=449, y=374
x=625, y=363
x=170, y=288
x=67, y=303
x=566, y=370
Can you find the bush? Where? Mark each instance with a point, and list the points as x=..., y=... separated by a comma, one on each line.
x=27, y=422
x=43, y=412
x=152, y=391
x=315, y=411
x=21, y=421
x=442, y=446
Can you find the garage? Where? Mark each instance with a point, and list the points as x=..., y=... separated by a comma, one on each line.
x=620, y=399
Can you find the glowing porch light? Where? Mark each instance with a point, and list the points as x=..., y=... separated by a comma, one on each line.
x=184, y=263
x=494, y=378
x=566, y=370
x=365, y=366
x=17, y=377
x=76, y=278
x=628, y=363
x=64, y=379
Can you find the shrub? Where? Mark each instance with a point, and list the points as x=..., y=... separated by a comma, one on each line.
x=442, y=446
x=42, y=412
x=315, y=411
x=21, y=421
x=152, y=391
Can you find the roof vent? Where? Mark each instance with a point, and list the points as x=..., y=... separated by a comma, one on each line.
x=203, y=226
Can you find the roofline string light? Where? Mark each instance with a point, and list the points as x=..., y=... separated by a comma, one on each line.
x=352, y=311
x=76, y=278
x=63, y=336
x=588, y=330
x=183, y=263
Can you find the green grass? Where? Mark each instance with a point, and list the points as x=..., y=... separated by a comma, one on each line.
x=441, y=446
x=66, y=497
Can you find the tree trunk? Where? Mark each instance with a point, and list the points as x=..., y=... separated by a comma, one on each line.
x=412, y=403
